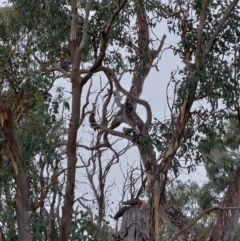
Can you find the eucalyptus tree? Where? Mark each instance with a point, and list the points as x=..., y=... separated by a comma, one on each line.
x=115, y=37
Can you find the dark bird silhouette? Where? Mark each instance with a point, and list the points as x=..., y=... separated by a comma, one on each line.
x=134, y=202
x=64, y=64
x=92, y=120
x=132, y=131
x=121, y=211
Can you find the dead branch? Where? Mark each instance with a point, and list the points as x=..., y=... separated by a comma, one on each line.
x=128, y=94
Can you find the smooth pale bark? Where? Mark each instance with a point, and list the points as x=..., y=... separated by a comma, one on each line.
x=67, y=208
x=71, y=165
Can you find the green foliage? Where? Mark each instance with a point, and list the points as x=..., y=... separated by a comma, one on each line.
x=39, y=224
x=7, y=212
x=48, y=22
x=220, y=153
x=83, y=228
x=34, y=33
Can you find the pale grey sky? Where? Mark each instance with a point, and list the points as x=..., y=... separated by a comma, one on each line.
x=154, y=92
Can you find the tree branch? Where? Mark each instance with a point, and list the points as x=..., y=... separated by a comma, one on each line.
x=104, y=43
x=85, y=25
x=96, y=147
x=128, y=94
x=203, y=15
x=134, y=98
x=56, y=68
x=199, y=217
x=114, y=133
x=220, y=25
x=156, y=52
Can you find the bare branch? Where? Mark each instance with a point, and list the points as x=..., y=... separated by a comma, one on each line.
x=134, y=98
x=83, y=146
x=56, y=68
x=156, y=52
x=114, y=133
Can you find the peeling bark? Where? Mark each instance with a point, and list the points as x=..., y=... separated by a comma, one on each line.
x=175, y=220
x=22, y=190
x=135, y=224
x=227, y=221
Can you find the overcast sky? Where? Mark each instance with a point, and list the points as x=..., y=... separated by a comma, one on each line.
x=154, y=92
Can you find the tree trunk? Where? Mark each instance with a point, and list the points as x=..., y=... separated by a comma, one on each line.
x=67, y=208
x=1, y=235
x=22, y=190
x=135, y=225
x=227, y=221
x=71, y=163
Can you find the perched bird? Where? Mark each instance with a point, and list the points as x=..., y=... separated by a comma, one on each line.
x=92, y=120
x=64, y=64
x=121, y=211
x=133, y=131
x=134, y=202
x=127, y=131
x=136, y=133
